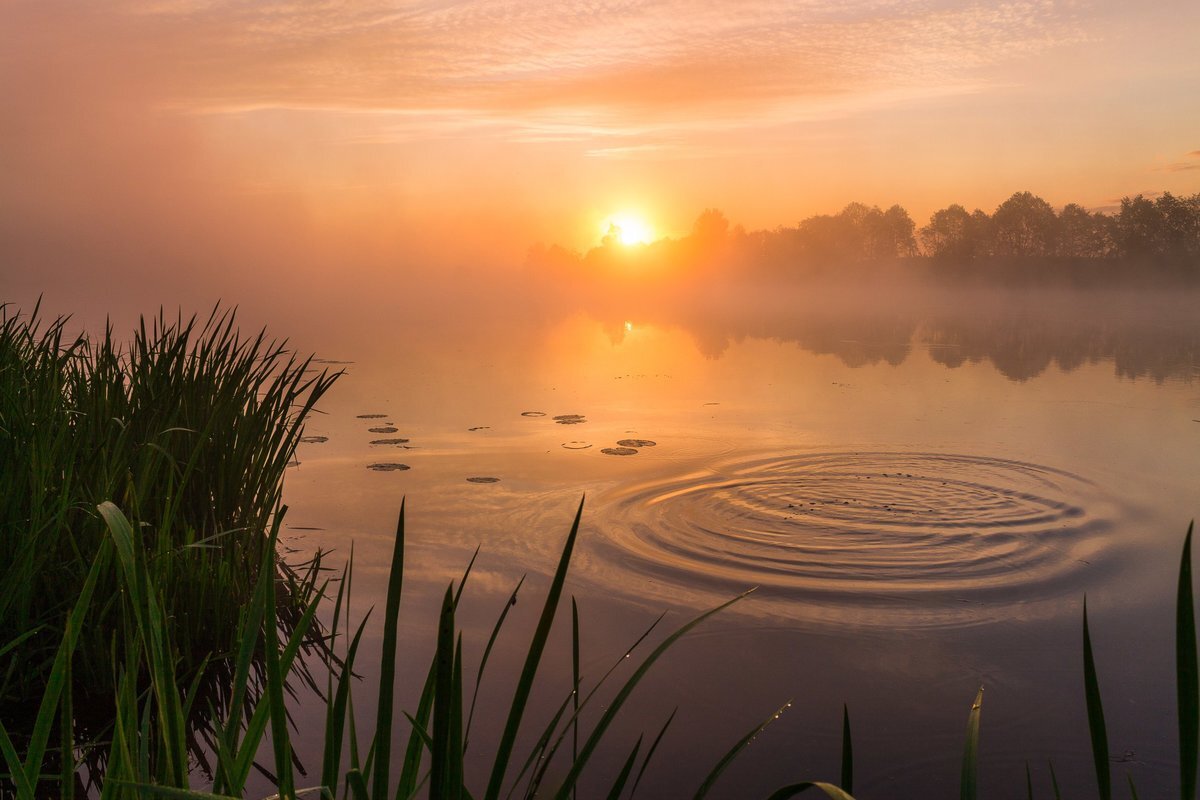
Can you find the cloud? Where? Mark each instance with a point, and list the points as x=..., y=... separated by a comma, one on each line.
x=658, y=61
x=1185, y=166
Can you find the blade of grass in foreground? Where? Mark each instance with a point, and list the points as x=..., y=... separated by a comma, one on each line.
x=847, y=752
x=831, y=791
x=534, y=657
x=487, y=651
x=387, y=668
x=615, y=706
x=1095, y=708
x=971, y=753
x=650, y=753
x=440, y=783
x=728, y=758
x=575, y=683
x=619, y=784
x=1186, y=676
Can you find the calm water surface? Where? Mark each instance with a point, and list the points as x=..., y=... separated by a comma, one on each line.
x=921, y=491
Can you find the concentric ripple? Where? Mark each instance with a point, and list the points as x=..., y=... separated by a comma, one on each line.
x=864, y=528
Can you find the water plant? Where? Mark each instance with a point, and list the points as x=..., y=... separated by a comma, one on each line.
x=189, y=427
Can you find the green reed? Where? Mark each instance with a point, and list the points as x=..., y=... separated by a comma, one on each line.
x=189, y=427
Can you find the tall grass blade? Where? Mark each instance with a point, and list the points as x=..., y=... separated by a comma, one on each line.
x=1186, y=674
x=592, y=693
x=281, y=744
x=439, y=781
x=967, y=787
x=546, y=758
x=415, y=749
x=1095, y=709
x=532, y=659
x=650, y=753
x=1028, y=783
x=831, y=791
x=1054, y=781
x=623, y=776
x=59, y=672
x=382, y=747
x=737, y=748
x=539, y=754
x=336, y=718
x=66, y=729
x=457, y=767
x=16, y=768
x=617, y=702
x=847, y=752
x=411, y=768
x=575, y=684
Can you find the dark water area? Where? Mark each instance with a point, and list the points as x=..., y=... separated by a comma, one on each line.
x=922, y=485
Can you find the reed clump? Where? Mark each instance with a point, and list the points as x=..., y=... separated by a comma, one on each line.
x=189, y=426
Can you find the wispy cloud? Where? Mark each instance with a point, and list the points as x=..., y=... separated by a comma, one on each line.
x=617, y=62
x=1185, y=166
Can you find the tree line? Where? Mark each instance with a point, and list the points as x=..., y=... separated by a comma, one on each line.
x=1025, y=237
x=1163, y=230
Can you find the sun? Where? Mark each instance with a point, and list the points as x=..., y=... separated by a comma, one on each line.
x=628, y=228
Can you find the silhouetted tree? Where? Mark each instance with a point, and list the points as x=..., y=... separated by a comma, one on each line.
x=710, y=227
x=955, y=235
x=1082, y=234
x=899, y=231
x=1180, y=237
x=1139, y=226
x=1024, y=226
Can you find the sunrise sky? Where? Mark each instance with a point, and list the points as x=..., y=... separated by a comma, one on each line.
x=228, y=138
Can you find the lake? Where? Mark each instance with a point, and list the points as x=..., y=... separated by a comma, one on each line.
x=922, y=486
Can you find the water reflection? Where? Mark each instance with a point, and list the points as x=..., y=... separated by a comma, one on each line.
x=1021, y=334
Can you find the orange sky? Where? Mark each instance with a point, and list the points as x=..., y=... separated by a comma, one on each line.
x=218, y=138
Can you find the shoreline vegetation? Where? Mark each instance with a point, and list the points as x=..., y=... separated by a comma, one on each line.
x=189, y=427
x=1025, y=241
x=148, y=607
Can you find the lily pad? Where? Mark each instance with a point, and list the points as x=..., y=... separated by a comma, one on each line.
x=383, y=429
x=636, y=443
x=533, y=413
x=483, y=479
x=619, y=451
x=576, y=445
x=388, y=467
x=314, y=439
x=371, y=416
x=389, y=441
x=480, y=428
